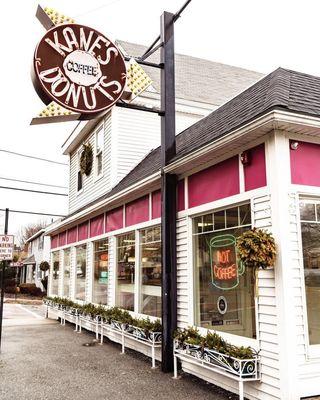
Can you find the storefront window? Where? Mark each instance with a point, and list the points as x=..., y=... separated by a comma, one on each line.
x=101, y=272
x=151, y=271
x=125, y=271
x=55, y=273
x=224, y=288
x=310, y=230
x=66, y=272
x=81, y=271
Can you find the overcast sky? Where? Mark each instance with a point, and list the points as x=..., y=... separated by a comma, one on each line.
x=257, y=35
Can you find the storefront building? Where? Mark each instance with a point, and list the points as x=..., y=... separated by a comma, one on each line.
x=250, y=163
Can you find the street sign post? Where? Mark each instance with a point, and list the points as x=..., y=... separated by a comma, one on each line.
x=7, y=239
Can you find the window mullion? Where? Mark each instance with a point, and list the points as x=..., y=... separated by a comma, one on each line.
x=137, y=272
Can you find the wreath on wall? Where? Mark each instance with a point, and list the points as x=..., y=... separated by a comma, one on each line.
x=257, y=249
x=86, y=159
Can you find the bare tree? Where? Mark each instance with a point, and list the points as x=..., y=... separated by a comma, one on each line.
x=29, y=230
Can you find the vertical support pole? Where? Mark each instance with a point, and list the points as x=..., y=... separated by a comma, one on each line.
x=241, y=394
x=175, y=367
x=4, y=265
x=168, y=192
x=122, y=342
x=153, y=356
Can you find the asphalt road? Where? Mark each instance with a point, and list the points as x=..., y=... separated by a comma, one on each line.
x=41, y=360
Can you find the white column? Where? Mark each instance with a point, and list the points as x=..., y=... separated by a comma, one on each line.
x=72, y=272
x=89, y=272
x=112, y=276
x=137, y=277
x=61, y=274
x=279, y=180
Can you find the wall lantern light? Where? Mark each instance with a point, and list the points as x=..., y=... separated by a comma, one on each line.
x=294, y=145
x=245, y=157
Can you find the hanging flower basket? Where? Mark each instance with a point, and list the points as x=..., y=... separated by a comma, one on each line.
x=256, y=249
x=86, y=159
x=44, y=266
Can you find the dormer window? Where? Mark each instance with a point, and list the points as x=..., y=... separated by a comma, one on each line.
x=99, y=151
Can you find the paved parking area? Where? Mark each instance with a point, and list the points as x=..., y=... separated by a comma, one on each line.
x=41, y=360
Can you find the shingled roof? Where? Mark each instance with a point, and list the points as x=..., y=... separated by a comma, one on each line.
x=192, y=75
x=282, y=89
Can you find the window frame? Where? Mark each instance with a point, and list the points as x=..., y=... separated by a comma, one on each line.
x=79, y=191
x=98, y=130
x=75, y=271
x=191, y=214
x=109, y=249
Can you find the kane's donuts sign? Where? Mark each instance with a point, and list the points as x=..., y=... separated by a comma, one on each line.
x=79, y=68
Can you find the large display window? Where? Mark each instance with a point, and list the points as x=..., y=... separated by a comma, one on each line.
x=66, y=272
x=55, y=273
x=125, y=271
x=150, y=262
x=101, y=271
x=81, y=271
x=310, y=231
x=224, y=288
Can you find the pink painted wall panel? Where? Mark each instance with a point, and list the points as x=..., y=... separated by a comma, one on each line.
x=304, y=164
x=137, y=211
x=219, y=181
x=114, y=219
x=54, y=241
x=72, y=235
x=255, y=171
x=180, y=198
x=63, y=238
x=97, y=225
x=156, y=204
x=83, y=231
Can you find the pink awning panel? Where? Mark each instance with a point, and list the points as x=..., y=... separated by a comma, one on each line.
x=54, y=241
x=156, y=204
x=137, y=211
x=83, y=231
x=304, y=164
x=216, y=182
x=97, y=225
x=63, y=238
x=114, y=219
x=72, y=235
x=255, y=171
x=180, y=198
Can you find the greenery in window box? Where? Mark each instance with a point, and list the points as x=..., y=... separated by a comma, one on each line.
x=256, y=249
x=86, y=159
x=44, y=266
x=212, y=341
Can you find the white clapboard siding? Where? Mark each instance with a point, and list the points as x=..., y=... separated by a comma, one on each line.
x=92, y=187
x=182, y=273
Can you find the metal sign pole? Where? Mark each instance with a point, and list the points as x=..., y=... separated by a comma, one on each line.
x=4, y=265
x=168, y=193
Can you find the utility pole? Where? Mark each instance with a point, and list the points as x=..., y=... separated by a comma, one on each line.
x=168, y=192
x=4, y=266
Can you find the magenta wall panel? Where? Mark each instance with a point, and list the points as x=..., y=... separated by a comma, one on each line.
x=83, y=231
x=255, y=171
x=114, y=219
x=72, y=235
x=156, y=204
x=54, y=241
x=216, y=182
x=304, y=164
x=97, y=225
x=63, y=238
x=180, y=198
x=137, y=211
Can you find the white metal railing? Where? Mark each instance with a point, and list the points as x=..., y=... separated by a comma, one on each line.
x=241, y=370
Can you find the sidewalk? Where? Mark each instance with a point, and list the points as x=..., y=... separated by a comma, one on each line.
x=42, y=361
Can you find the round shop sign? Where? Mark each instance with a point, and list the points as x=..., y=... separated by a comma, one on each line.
x=78, y=68
x=222, y=305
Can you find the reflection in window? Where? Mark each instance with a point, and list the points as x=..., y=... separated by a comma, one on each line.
x=224, y=289
x=125, y=271
x=66, y=272
x=151, y=271
x=55, y=273
x=310, y=230
x=101, y=272
x=81, y=271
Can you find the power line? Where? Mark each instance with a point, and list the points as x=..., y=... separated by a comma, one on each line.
x=33, y=182
x=31, y=212
x=33, y=191
x=97, y=8
x=33, y=157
